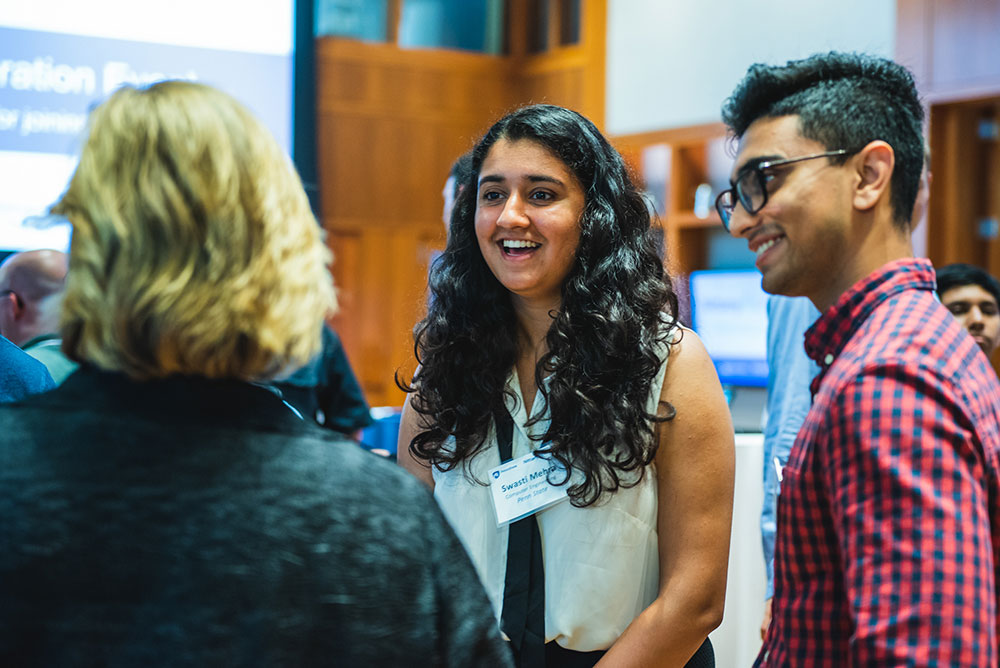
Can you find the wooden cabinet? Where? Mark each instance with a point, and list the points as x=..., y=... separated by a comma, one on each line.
x=682, y=170
x=964, y=207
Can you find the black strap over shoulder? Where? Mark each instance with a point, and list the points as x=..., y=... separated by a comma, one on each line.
x=523, y=615
x=505, y=435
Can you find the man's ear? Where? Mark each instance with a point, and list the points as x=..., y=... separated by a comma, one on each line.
x=11, y=305
x=10, y=311
x=875, y=164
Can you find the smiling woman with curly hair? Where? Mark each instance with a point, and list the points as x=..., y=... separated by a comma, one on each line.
x=550, y=329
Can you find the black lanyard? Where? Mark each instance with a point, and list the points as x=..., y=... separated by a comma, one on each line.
x=523, y=615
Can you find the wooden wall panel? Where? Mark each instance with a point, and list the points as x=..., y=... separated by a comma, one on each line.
x=685, y=233
x=570, y=76
x=951, y=214
x=346, y=247
x=966, y=183
x=390, y=123
x=381, y=278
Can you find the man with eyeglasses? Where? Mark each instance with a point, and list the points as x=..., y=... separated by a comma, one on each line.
x=789, y=374
x=887, y=540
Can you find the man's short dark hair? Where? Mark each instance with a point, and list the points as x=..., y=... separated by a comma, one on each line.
x=461, y=169
x=843, y=101
x=959, y=275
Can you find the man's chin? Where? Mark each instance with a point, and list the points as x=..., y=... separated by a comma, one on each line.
x=773, y=283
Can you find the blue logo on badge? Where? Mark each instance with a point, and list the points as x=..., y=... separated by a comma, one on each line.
x=496, y=474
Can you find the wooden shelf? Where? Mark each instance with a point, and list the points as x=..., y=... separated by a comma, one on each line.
x=675, y=180
x=688, y=219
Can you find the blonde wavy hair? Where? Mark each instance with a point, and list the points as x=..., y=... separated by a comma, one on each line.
x=194, y=250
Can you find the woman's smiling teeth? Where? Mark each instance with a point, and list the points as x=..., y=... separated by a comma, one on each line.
x=767, y=244
x=518, y=246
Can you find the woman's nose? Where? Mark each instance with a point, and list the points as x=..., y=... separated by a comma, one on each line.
x=513, y=214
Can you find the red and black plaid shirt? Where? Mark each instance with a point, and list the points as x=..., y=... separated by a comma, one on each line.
x=888, y=540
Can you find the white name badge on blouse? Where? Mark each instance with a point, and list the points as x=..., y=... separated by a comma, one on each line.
x=521, y=487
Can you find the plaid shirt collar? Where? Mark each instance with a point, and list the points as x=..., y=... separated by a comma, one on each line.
x=828, y=335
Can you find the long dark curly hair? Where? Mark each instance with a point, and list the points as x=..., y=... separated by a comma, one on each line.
x=603, y=341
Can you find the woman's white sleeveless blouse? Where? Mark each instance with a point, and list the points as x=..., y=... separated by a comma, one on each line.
x=601, y=562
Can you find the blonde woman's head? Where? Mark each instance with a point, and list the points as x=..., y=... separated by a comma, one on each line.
x=194, y=250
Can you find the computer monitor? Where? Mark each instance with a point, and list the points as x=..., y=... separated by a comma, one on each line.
x=729, y=313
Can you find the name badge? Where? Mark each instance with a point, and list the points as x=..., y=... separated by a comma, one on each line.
x=521, y=487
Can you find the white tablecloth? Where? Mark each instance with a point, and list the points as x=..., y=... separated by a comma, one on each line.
x=737, y=640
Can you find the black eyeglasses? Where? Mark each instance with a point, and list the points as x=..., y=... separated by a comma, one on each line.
x=750, y=187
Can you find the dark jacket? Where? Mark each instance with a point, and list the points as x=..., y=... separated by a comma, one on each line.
x=196, y=522
x=327, y=390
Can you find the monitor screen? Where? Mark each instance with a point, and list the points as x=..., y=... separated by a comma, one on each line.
x=729, y=313
x=58, y=58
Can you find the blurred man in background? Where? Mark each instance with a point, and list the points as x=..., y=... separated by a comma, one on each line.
x=458, y=177
x=31, y=289
x=973, y=297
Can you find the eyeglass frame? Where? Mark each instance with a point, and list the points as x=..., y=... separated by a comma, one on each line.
x=758, y=171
